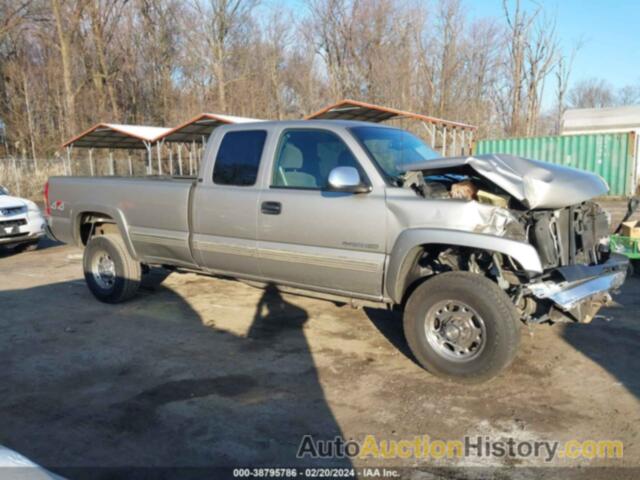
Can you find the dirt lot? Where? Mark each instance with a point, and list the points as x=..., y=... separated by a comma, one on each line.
x=207, y=372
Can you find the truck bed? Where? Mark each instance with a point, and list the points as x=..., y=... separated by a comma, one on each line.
x=153, y=210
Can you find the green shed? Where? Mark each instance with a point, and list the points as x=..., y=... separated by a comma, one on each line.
x=613, y=156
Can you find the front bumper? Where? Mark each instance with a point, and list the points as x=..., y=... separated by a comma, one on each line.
x=22, y=228
x=579, y=291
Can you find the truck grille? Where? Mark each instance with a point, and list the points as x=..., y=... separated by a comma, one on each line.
x=570, y=235
x=13, y=223
x=9, y=228
x=7, y=212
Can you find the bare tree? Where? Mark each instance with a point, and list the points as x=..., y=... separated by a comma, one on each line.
x=67, y=19
x=331, y=26
x=562, y=75
x=66, y=64
x=518, y=23
x=628, y=95
x=592, y=93
x=222, y=19
x=14, y=14
x=103, y=15
x=541, y=58
x=449, y=27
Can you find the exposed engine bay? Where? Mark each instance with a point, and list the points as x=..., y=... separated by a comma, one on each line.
x=571, y=241
x=565, y=236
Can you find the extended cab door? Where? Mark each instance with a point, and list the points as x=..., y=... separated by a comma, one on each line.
x=311, y=237
x=225, y=204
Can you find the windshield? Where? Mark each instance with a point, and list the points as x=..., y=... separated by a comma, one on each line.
x=3, y=191
x=392, y=149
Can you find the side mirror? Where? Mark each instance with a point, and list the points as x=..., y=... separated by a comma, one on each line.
x=347, y=179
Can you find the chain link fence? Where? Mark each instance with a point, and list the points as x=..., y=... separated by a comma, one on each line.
x=25, y=177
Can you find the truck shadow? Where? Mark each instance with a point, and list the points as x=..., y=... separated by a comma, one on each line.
x=389, y=324
x=44, y=243
x=613, y=345
x=91, y=390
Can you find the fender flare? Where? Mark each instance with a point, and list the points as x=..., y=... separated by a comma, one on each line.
x=410, y=243
x=115, y=213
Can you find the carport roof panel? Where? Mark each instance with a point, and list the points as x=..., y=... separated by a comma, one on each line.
x=201, y=126
x=113, y=135
x=367, y=112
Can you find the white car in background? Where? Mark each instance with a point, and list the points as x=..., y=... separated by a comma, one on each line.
x=21, y=222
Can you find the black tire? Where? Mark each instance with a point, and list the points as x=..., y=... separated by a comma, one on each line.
x=499, y=323
x=123, y=282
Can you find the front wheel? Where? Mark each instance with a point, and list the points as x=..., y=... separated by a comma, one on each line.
x=111, y=274
x=462, y=326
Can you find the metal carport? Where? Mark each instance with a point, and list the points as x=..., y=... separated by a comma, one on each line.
x=444, y=135
x=115, y=136
x=200, y=127
x=195, y=132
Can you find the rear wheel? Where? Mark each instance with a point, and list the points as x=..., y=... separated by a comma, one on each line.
x=111, y=274
x=462, y=326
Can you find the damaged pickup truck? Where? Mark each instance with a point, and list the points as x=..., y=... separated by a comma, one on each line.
x=469, y=248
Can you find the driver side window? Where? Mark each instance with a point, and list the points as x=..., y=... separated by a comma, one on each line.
x=306, y=157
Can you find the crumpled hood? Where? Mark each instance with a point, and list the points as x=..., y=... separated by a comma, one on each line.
x=534, y=183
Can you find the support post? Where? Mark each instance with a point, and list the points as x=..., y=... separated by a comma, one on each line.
x=91, y=171
x=192, y=152
x=428, y=130
x=195, y=151
x=159, y=151
x=204, y=144
x=444, y=141
x=149, y=158
x=130, y=164
x=454, y=142
x=68, y=161
x=112, y=169
x=170, y=160
x=180, y=158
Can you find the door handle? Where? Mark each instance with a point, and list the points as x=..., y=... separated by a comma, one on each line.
x=271, y=208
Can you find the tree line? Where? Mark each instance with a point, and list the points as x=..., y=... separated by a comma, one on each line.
x=67, y=64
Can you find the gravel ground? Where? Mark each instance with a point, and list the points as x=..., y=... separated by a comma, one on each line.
x=206, y=372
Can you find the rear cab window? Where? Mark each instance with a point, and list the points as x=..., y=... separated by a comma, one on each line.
x=238, y=158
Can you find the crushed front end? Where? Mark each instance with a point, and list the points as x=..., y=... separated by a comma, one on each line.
x=580, y=271
x=546, y=206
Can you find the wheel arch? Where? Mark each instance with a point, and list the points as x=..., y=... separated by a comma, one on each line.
x=411, y=243
x=88, y=217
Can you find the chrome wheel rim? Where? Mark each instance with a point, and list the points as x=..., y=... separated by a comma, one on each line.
x=455, y=331
x=103, y=269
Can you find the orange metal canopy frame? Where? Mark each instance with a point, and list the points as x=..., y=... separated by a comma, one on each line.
x=200, y=126
x=355, y=110
x=112, y=135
